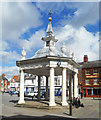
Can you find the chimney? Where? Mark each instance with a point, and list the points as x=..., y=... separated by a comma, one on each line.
x=85, y=58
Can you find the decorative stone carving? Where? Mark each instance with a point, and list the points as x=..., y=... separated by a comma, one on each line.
x=63, y=50
x=71, y=54
x=23, y=54
x=51, y=49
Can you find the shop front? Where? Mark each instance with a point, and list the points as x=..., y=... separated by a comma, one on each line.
x=91, y=92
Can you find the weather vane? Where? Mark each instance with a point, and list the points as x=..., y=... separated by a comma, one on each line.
x=50, y=13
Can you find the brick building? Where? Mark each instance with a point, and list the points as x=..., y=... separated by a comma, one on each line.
x=89, y=78
x=15, y=83
x=3, y=83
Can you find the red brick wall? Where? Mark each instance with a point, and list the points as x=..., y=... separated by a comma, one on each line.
x=82, y=76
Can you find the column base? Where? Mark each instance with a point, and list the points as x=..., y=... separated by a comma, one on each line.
x=46, y=98
x=52, y=104
x=64, y=103
x=21, y=102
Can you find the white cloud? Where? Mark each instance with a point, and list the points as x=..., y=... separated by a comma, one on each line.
x=17, y=18
x=56, y=7
x=4, y=45
x=9, y=71
x=100, y=50
x=80, y=41
x=34, y=42
x=9, y=57
x=86, y=13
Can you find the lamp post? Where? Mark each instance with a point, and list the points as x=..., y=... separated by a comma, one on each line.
x=70, y=96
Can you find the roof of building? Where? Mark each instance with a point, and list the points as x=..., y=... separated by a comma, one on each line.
x=90, y=64
x=16, y=78
x=50, y=49
x=3, y=78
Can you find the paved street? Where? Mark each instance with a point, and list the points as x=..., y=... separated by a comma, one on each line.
x=91, y=110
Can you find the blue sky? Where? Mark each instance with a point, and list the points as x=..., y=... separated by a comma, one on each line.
x=25, y=23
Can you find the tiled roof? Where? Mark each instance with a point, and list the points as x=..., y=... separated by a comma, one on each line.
x=16, y=78
x=90, y=64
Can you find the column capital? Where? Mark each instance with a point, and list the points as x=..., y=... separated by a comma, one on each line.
x=52, y=67
x=21, y=69
x=64, y=68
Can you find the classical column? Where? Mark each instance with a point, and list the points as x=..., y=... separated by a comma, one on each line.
x=64, y=102
x=52, y=98
x=39, y=97
x=70, y=87
x=75, y=85
x=21, y=101
x=46, y=97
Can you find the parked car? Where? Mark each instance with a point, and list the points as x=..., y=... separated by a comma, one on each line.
x=11, y=93
x=6, y=91
x=15, y=92
x=32, y=94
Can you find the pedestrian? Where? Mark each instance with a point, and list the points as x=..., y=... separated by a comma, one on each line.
x=79, y=102
x=11, y=93
x=74, y=101
x=84, y=94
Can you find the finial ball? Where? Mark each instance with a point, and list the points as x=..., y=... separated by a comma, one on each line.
x=50, y=19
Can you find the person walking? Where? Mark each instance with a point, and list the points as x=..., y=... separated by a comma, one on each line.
x=11, y=93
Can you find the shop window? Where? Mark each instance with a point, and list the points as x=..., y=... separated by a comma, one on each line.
x=56, y=81
x=33, y=81
x=99, y=91
x=87, y=81
x=13, y=80
x=88, y=91
x=95, y=71
x=42, y=83
x=95, y=80
x=95, y=92
x=88, y=71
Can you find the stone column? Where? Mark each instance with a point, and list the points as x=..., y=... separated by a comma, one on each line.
x=39, y=97
x=46, y=97
x=64, y=102
x=70, y=87
x=21, y=101
x=52, y=98
x=75, y=85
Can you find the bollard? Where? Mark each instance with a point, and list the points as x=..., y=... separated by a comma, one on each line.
x=70, y=109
